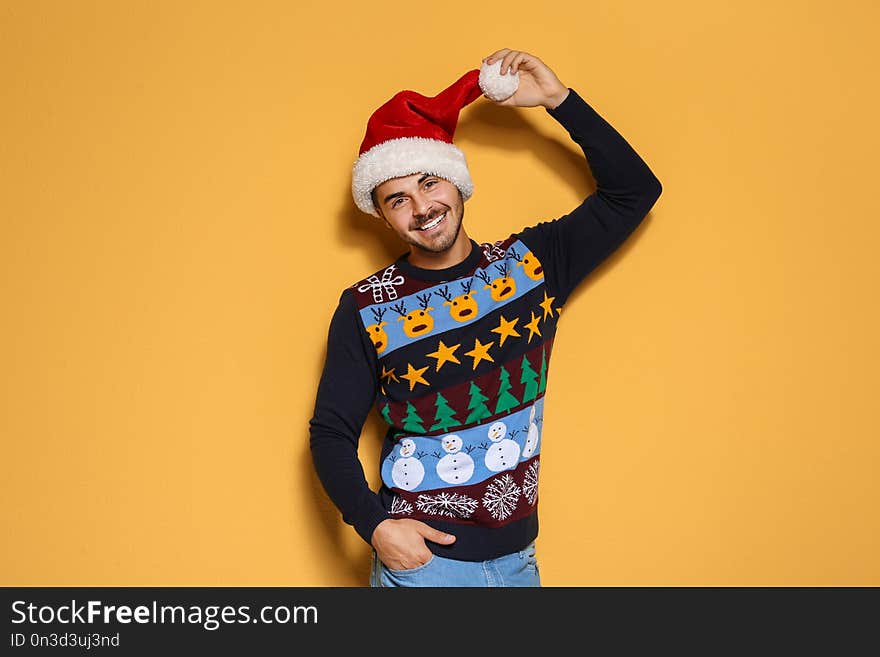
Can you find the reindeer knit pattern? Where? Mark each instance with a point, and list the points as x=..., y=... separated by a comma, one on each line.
x=456, y=362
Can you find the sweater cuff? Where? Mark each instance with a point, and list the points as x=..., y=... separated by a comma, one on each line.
x=366, y=524
x=572, y=109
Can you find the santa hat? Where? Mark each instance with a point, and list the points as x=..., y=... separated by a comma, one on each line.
x=412, y=133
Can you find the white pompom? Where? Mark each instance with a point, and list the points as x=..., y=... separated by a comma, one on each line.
x=496, y=86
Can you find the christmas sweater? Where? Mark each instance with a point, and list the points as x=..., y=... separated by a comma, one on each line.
x=456, y=362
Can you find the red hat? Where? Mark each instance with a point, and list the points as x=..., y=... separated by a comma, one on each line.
x=412, y=133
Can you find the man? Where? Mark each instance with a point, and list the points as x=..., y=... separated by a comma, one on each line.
x=452, y=341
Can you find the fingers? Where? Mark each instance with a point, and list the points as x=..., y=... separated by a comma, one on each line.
x=435, y=535
x=507, y=57
x=515, y=62
x=406, y=547
x=495, y=56
x=511, y=60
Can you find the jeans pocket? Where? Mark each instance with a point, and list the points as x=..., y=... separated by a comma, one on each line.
x=408, y=571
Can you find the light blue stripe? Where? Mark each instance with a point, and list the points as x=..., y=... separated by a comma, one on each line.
x=429, y=452
x=443, y=320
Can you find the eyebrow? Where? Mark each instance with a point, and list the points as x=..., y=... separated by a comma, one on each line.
x=396, y=194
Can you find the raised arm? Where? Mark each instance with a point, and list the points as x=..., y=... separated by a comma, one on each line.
x=571, y=246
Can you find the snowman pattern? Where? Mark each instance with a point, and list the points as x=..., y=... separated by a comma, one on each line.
x=533, y=437
x=504, y=452
x=408, y=470
x=456, y=467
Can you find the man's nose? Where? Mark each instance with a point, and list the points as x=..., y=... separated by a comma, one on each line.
x=421, y=204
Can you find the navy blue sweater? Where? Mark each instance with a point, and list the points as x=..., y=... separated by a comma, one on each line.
x=456, y=362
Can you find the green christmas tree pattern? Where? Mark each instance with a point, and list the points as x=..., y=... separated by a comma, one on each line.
x=529, y=378
x=506, y=401
x=477, y=406
x=445, y=418
x=386, y=414
x=542, y=386
x=412, y=423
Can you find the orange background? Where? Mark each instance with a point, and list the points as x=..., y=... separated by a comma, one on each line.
x=177, y=225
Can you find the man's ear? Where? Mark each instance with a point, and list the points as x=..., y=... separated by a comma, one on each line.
x=382, y=216
x=378, y=209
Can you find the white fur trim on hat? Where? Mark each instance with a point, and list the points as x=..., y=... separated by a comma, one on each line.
x=403, y=157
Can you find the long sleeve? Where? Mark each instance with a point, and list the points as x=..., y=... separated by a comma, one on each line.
x=345, y=396
x=571, y=246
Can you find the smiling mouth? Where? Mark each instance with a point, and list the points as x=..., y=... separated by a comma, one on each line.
x=465, y=312
x=420, y=327
x=436, y=221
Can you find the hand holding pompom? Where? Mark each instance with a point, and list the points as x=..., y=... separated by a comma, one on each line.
x=519, y=79
x=495, y=86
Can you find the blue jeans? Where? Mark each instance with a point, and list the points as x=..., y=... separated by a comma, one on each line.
x=515, y=569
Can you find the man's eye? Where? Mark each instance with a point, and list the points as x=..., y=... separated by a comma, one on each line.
x=431, y=182
x=397, y=202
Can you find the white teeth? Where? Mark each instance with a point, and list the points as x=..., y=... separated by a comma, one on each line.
x=433, y=223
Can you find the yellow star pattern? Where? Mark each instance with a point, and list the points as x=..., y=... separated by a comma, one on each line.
x=445, y=354
x=480, y=352
x=388, y=375
x=414, y=375
x=506, y=329
x=533, y=327
x=545, y=304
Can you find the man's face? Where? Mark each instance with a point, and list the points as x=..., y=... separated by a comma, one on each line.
x=425, y=211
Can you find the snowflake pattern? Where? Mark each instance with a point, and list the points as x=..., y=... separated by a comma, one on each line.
x=501, y=497
x=453, y=505
x=400, y=506
x=530, y=483
x=385, y=284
